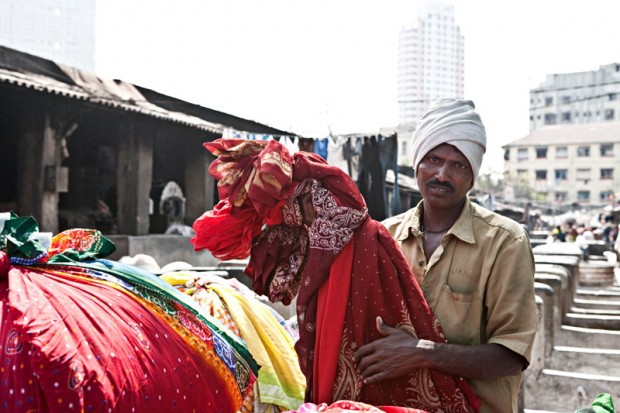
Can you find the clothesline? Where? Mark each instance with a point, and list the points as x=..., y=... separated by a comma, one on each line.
x=233, y=133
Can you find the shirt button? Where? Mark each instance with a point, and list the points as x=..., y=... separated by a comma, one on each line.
x=421, y=263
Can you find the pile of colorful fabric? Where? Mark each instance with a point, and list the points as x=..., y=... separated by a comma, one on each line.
x=85, y=334
x=347, y=406
x=280, y=385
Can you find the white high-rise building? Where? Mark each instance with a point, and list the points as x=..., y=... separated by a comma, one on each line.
x=430, y=61
x=59, y=30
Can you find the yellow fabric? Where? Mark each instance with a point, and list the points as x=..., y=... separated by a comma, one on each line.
x=280, y=380
x=480, y=284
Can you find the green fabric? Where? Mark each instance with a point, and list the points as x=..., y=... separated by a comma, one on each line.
x=17, y=237
x=602, y=403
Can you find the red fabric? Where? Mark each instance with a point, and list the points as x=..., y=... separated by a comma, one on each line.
x=348, y=406
x=87, y=347
x=277, y=248
x=254, y=177
x=285, y=260
x=330, y=322
x=226, y=234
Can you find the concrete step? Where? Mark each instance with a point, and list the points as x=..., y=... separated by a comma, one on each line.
x=564, y=391
x=587, y=337
x=594, y=311
x=598, y=294
x=586, y=360
x=598, y=304
x=599, y=321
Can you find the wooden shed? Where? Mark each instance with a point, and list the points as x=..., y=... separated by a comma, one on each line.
x=81, y=151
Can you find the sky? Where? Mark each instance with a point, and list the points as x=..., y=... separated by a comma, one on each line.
x=314, y=67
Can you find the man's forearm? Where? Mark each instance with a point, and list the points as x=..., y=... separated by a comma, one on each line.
x=484, y=361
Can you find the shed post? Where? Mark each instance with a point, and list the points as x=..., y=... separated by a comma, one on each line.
x=134, y=178
x=199, y=184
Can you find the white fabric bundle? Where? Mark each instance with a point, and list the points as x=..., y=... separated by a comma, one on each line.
x=455, y=122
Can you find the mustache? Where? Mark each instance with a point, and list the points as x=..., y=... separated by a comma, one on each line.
x=435, y=182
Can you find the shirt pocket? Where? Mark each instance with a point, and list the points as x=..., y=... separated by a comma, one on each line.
x=459, y=314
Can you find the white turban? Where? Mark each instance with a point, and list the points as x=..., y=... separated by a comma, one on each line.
x=455, y=122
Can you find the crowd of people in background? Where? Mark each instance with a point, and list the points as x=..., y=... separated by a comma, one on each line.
x=572, y=232
x=607, y=231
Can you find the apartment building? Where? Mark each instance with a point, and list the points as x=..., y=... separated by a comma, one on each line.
x=577, y=98
x=566, y=164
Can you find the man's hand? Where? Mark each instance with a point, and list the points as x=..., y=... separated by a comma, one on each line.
x=394, y=355
x=398, y=353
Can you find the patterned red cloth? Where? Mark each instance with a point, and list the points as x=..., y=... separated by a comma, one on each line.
x=70, y=342
x=347, y=270
x=347, y=406
x=253, y=177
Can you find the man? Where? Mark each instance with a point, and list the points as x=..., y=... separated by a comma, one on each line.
x=475, y=269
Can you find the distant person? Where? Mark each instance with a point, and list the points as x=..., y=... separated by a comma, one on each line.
x=558, y=234
x=607, y=228
x=571, y=232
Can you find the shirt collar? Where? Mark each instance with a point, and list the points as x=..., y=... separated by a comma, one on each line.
x=463, y=228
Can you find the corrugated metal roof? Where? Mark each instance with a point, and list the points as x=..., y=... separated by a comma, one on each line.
x=606, y=132
x=76, y=84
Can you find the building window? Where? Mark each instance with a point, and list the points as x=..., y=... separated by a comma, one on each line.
x=548, y=101
x=607, y=173
x=607, y=149
x=522, y=173
x=605, y=196
x=550, y=119
x=565, y=100
x=613, y=96
x=609, y=114
x=583, y=174
x=561, y=152
x=522, y=154
x=583, y=151
x=541, y=153
x=583, y=195
x=561, y=174
x=566, y=117
x=560, y=196
x=541, y=174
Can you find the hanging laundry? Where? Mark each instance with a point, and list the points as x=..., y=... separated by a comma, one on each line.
x=335, y=153
x=306, y=144
x=388, y=156
x=320, y=147
x=291, y=143
x=370, y=180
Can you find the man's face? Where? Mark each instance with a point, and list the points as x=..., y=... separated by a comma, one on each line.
x=444, y=177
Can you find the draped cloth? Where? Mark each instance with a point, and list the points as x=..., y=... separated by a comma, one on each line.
x=344, y=267
x=99, y=336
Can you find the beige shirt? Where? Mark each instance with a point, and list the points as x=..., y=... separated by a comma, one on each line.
x=480, y=284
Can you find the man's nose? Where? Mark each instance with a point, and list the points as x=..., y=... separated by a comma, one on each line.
x=442, y=172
